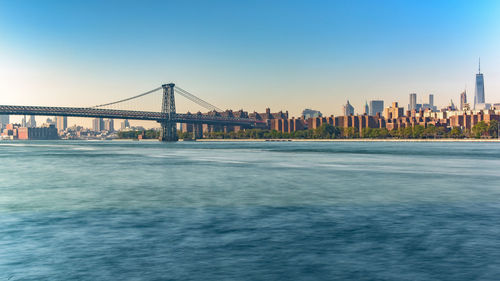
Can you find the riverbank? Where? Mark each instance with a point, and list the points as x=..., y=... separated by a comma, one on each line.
x=348, y=140
x=323, y=140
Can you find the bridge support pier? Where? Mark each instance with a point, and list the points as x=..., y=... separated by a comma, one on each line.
x=168, y=131
x=168, y=125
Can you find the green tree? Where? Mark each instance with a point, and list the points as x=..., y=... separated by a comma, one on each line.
x=325, y=131
x=430, y=131
x=493, y=128
x=350, y=132
x=480, y=130
x=418, y=131
x=456, y=133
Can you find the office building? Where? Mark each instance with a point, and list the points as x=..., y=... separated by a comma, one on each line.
x=125, y=124
x=479, y=95
x=413, y=102
x=61, y=123
x=4, y=120
x=376, y=106
x=23, y=122
x=348, y=109
x=463, y=100
x=310, y=113
x=109, y=125
x=31, y=122
x=393, y=112
x=97, y=124
x=367, y=108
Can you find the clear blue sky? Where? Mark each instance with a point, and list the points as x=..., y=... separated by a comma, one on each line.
x=248, y=54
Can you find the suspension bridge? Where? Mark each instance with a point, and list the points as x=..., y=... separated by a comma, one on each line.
x=167, y=117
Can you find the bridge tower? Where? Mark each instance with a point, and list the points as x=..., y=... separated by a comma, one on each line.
x=168, y=124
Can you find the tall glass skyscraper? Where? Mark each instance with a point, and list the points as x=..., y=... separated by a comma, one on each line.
x=413, y=102
x=479, y=95
x=376, y=106
x=4, y=120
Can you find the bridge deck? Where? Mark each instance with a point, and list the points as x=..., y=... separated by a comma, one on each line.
x=124, y=114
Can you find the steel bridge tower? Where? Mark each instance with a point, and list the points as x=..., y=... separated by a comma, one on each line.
x=168, y=125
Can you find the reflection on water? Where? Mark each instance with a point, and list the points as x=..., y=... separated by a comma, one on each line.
x=246, y=211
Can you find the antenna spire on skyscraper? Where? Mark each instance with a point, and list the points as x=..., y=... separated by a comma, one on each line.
x=479, y=64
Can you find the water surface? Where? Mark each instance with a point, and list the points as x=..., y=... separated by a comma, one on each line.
x=72, y=210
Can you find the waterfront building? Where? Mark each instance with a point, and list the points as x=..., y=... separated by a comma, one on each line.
x=267, y=117
x=348, y=109
x=376, y=106
x=14, y=132
x=42, y=133
x=290, y=125
x=479, y=94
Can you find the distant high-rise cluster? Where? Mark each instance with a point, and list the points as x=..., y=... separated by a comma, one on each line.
x=125, y=124
x=99, y=124
x=413, y=105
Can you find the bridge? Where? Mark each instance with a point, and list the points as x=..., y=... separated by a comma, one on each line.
x=168, y=117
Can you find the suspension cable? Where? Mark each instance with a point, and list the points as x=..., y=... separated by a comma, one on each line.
x=127, y=99
x=197, y=100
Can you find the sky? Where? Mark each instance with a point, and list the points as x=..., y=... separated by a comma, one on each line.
x=286, y=55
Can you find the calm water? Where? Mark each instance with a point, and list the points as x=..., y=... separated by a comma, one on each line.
x=249, y=211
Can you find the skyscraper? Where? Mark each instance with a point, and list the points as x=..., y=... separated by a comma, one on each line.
x=61, y=123
x=31, y=122
x=125, y=124
x=376, y=106
x=310, y=113
x=413, y=102
x=4, y=120
x=348, y=109
x=431, y=100
x=97, y=124
x=109, y=125
x=479, y=95
x=23, y=122
x=463, y=100
x=367, y=108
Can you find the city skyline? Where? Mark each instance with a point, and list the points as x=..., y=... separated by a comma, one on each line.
x=65, y=54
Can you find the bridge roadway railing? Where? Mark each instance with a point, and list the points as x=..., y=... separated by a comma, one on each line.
x=124, y=114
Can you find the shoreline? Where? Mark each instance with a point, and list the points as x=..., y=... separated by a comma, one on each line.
x=288, y=140
x=348, y=140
